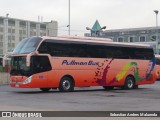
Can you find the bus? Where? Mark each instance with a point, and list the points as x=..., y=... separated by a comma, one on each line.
x=67, y=62
x=157, y=66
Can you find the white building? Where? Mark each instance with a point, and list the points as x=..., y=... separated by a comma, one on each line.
x=14, y=30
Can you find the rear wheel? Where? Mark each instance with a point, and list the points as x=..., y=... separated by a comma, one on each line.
x=66, y=85
x=129, y=83
x=108, y=87
x=45, y=89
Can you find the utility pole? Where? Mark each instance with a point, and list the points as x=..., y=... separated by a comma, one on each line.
x=69, y=24
x=156, y=12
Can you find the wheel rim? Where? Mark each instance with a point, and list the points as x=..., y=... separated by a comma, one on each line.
x=66, y=85
x=130, y=83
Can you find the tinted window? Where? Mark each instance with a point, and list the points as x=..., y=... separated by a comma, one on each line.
x=40, y=64
x=63, y=49
x=27, y=45
x=94, y=51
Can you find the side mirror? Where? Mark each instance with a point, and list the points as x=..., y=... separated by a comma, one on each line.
x=28, y=58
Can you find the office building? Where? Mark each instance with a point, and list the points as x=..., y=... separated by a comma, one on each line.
x=13, y=30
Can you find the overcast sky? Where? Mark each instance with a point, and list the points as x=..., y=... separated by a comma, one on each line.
x=115, y=14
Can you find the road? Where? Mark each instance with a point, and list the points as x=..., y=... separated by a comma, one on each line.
x=147, y=98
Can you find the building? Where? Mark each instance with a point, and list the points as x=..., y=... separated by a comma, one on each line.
x=146, y=35
x=95, y=31
x=12, y=31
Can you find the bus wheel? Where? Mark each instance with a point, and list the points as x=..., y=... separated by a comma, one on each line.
x=45, y=89
x=108, y=87
x=129, y=83
x=66, y=85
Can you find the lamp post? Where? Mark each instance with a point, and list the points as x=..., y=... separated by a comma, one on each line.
x=5, y=49
x=97, y=32
x=69, y=24
x=156, y=12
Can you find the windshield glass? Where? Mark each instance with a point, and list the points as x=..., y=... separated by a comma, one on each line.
x=18, y=66
x=38, y=64
x=27, y=45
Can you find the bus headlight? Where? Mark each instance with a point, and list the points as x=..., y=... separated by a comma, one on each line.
x=28, y=80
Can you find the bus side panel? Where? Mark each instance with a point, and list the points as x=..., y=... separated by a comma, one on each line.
x=81, y=77
x=157, y=72
x=108, y=72
x=39, y=80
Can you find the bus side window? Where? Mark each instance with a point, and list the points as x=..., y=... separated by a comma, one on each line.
x=40, y=64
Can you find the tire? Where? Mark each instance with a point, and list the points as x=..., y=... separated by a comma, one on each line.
x=108, y=87
x=66, y=85
x=45, y=89
x=129, y=83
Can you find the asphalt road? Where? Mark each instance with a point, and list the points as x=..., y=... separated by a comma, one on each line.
x=147, y=98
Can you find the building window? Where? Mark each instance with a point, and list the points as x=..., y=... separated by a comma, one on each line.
x=42, y=34
x=43, y=26
x=131, y=39
x=13, y=38
x=142, y=39
x=1, y=21
x=1, y=37
x=120, y=39
x=33, y=25
x=11, y=22
x=13, y=30
x=9, y=30
x=153, y=38
x=22, y=24
x=1, y=29
x=9, y=38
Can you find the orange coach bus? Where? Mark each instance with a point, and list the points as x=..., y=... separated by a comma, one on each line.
x=68, y=62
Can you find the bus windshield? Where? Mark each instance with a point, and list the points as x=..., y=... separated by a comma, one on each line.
x=18, y=66
x=38, y=64
x=27, y=45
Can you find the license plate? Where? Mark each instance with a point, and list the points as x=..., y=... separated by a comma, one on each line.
x=17, y=85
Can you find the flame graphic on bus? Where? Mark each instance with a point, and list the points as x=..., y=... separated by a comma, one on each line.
x=123, y=72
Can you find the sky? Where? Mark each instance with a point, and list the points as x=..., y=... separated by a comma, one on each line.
x=114, y=14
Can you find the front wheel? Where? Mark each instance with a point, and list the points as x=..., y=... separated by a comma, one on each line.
x=66, y=85
x=129, y=83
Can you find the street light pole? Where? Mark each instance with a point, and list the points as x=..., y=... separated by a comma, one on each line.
x=97, y=32
x=156, y=12
x=69, y=24
x=5, y=49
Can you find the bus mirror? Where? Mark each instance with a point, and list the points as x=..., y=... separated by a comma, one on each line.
x=29, y=57
x=28, y=60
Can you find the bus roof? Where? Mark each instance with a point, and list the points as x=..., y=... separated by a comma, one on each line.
x=96, y=41
x=88, y=38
